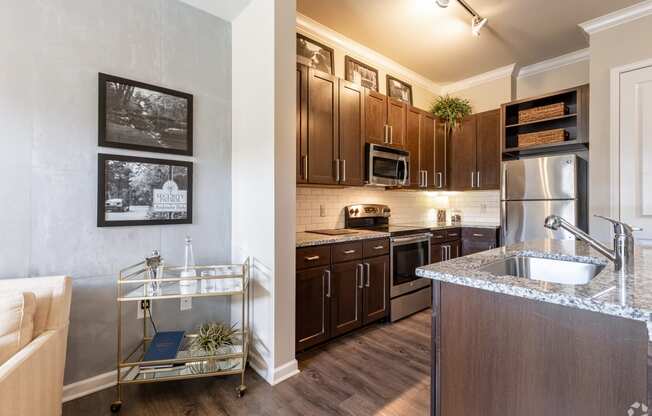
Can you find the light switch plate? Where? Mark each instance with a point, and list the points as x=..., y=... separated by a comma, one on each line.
x=322, y=211
x=186, y=304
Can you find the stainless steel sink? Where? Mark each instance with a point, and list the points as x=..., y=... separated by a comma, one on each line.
x=547, y=270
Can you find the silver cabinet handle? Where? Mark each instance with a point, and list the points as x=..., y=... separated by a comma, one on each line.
x=478, y=181
x=337, y=170
x=441, y=180
x=438, y=236
x=328, y=277
x=452, y=234
x=312, y=258
x=472, y=179
x=304, y=163
x=379, y=247
x=349, y=251
x=425, y=175
x=343, y=170
x=359, y=273
x=443, y=253
x=478, y=235
x=386, y=133
x=391, y=134
x=368, y=284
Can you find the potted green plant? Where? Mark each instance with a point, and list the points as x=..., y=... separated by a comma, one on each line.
x=214, y=339
x=451, y=109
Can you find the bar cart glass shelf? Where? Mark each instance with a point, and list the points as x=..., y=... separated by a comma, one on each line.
x=150, y=281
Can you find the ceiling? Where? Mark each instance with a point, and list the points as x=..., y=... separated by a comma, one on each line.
x=437, y=43
x=227, y=10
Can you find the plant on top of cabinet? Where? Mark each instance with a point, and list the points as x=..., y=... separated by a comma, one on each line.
x=451, y=109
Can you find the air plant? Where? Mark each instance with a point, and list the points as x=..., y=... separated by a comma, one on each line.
x=212, y=336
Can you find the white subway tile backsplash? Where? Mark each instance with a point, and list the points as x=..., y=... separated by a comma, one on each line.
x=407, y=206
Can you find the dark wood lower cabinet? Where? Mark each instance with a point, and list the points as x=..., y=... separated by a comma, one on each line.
x=376, y=289
x=475, y=240
x=346, y=297
x=343, y=295
x=501, y=355
x=312, y=307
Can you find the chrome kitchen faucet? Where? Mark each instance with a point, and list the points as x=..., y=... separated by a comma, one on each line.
x=623, y=251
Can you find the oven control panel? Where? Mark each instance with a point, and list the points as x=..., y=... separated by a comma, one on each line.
x=367, y=210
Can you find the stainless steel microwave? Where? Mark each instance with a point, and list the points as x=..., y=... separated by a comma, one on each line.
x=387, y=166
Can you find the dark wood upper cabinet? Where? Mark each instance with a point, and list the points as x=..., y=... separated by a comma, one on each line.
x=312, y=307
x=375, y=117
x=427, y=149
x=323, y=143
x=474, y=153
x=351, y=128
x=412, y=143
x=396, y=120
x=487, y=152
x=461, y=152
x=440, y=180
x=376, y=284
x=302, y=123
x=346, y=297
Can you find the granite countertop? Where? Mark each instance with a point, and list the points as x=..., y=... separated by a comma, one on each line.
x=609, y=293
x=305, y=239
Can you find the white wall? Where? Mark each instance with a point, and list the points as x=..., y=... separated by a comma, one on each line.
x=617, y=46
x=487, y=95
x=51, y=53
x=567, y=76
x=263, y=175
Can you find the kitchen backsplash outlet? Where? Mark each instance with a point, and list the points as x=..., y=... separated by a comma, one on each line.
x=323, y=208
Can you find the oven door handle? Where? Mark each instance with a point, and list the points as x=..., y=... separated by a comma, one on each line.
x=400, y=241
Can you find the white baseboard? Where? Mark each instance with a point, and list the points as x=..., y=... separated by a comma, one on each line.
x=89, y=386
x=104, y=381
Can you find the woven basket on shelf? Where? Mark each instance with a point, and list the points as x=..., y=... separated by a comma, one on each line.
x=542, y=137
x=542, y=113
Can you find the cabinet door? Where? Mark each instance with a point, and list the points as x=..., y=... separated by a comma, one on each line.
x=488, y=150
x=412, y=144
x=351, y=120
x=312, y=307
x=456, y=249
x=462, y=155
x=346, y=297
x=427, y=149
x=396, y=119
x=375, y=116
x=441, y=155
x=436, y=253
x=302, y=123
x=376, y=288
x=322, y=128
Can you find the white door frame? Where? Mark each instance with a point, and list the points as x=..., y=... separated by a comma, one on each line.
x=615, y=130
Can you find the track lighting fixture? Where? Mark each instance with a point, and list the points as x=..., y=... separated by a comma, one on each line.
x=477, y=22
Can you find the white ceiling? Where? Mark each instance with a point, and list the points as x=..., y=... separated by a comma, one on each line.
x=437, y=43
x=224, y=9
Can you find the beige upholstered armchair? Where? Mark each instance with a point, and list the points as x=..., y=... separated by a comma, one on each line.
x=31, y=379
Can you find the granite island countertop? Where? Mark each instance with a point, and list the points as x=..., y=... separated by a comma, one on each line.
x=608, y=292
x=307, y=239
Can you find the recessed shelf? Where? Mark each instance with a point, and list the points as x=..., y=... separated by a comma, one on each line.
x=545, y=146
x=527, y=123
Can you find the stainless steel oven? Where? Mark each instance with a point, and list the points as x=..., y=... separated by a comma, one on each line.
x=387, y=166
x=409, y=293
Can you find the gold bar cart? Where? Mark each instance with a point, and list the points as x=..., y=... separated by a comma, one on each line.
x=150, y=281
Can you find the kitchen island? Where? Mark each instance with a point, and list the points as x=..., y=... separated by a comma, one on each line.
x=512, y=346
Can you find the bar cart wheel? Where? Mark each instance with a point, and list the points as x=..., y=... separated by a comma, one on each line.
x=240, y=391
x=116, y=406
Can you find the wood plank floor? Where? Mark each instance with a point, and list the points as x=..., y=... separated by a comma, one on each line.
x=380, y=370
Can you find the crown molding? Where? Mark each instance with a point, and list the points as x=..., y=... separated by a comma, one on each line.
x=498, y=73
x=617, y=18
x=364, y=53
x=554, y=63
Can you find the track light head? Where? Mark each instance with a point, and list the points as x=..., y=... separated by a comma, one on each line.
x=443, y=3
x=477, y=24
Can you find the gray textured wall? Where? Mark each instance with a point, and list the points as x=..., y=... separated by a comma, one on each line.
x=51, y=52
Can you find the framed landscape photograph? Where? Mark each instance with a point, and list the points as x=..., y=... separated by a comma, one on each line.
x=315, y=55
x=360, y=73
x=138, y=116
x=399, y=89
x=143, y=191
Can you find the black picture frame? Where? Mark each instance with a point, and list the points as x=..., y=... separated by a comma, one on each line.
x=102, y=220
x=304, y=60
x=104, y=136
x=349, y=67
x=405, y=87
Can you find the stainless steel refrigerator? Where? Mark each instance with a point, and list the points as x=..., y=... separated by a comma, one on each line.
x=533, y=188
